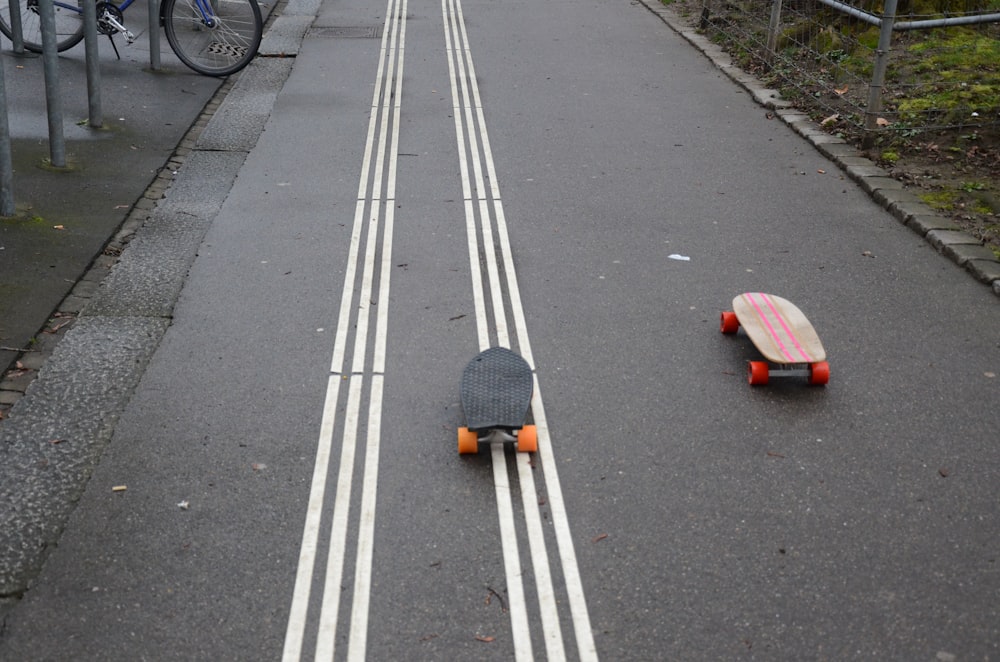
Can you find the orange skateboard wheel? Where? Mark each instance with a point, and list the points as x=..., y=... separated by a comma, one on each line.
x=729, y=322
x=819, y=373
x=527, y=439
x=468, y=441
x=757, y=373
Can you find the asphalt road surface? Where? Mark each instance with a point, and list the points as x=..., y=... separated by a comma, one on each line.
x=574, y=181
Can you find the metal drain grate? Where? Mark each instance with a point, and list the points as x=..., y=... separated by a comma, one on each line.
x=229, y=50
x=347, y=32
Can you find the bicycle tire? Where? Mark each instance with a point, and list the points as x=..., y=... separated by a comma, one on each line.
x=214, y=50
x=69, y=23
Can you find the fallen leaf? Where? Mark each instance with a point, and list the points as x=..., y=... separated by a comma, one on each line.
x=831, y=119
x=841, y=91
x=58, y=227
x=881, y=121
x=821, y=171
x=487, y=640
x=773, y=454
x=944, y=472
x=600, y=537
x=55, y=327
x=56, y=441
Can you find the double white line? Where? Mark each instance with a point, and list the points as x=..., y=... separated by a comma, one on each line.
x=373, y=215
x=487, y=238
x=488, y=243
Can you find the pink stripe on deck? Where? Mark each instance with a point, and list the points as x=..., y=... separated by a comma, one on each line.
x=773, y=331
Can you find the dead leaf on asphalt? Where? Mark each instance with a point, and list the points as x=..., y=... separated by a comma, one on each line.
x=600, y=537
x=487, y=640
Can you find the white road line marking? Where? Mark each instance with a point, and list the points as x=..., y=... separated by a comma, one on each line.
x=511, y=557
x=521, y=631
x=478, y=298
x=554, y=649
x=310, y=536
x=386, y=77
x=358, y=641
x=328, y=616
x=457, y=47
x=586, y=649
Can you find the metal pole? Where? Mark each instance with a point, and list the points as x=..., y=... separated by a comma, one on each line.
x=878, y=73
x=154, y=34
x=772, y=32
x=16, y=32
x=6, y=166
x=53, y=103
x=96, y=115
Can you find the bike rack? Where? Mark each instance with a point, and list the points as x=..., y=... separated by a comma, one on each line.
x=57, y=143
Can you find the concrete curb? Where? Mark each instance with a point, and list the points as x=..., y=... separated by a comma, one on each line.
x=962, y=248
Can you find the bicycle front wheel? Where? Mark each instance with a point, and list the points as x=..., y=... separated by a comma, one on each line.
x=213, y=37
x=69, y=23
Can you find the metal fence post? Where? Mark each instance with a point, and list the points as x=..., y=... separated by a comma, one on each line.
x=878, y=72
x=6, y=166
x=53, y=102
x=772, y=33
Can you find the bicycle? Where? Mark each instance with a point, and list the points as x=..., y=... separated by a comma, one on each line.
x=212, y=37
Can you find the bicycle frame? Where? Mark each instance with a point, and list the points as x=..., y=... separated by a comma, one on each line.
x=204, y=8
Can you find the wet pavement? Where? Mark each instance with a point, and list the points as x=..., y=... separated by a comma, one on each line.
x=66, y=216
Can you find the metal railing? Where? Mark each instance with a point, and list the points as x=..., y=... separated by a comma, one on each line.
x=861, y=65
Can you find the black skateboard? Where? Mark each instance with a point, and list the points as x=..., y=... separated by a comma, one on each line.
x=496, y=394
